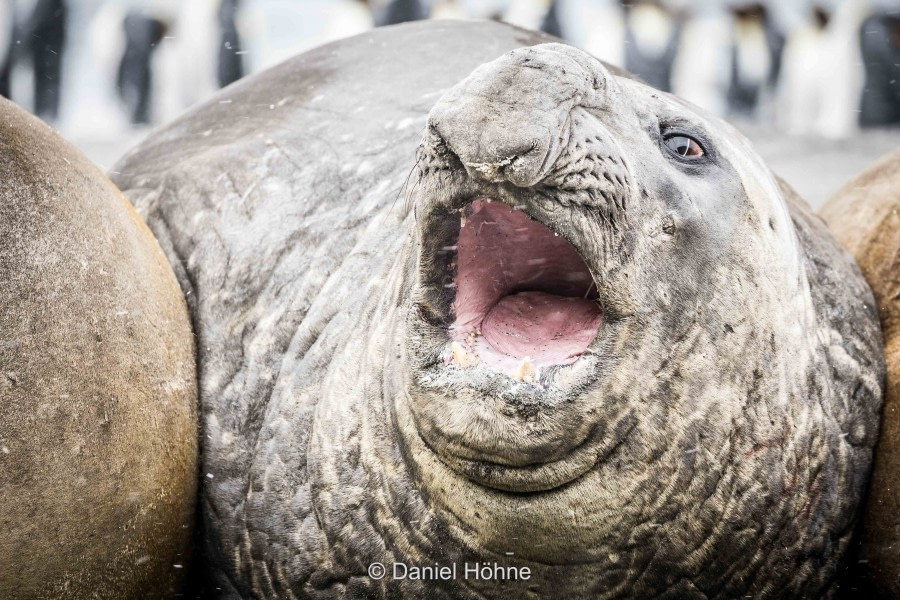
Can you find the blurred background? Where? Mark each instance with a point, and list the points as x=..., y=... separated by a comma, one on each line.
x=815, y=83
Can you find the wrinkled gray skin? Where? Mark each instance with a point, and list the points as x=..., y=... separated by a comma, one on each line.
x=714, y=441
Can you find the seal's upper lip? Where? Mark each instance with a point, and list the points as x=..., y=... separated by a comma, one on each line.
x=522, y=296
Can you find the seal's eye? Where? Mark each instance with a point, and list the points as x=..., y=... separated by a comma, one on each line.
x=684, y=146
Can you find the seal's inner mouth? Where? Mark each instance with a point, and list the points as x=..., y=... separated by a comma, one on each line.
x=524, y=297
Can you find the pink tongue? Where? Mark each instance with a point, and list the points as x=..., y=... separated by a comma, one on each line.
x=550, y=329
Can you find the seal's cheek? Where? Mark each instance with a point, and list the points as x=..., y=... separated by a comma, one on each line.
x=704, y=209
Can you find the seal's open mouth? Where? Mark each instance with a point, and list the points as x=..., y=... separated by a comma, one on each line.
x=505, y=296
x=524, y=298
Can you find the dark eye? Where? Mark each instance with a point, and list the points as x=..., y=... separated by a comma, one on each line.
x=684, y=146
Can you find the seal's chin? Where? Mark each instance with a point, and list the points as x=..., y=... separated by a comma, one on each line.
x=524, y=299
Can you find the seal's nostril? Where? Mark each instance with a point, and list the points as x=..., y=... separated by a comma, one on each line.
x=438, y=143
x=514, y=165
x=503, y=164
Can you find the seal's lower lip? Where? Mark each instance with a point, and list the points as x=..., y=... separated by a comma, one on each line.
x=538, y=477
x=523, y=298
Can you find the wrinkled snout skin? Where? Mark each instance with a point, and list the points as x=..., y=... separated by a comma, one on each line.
x=502, y=130
x=714, y=440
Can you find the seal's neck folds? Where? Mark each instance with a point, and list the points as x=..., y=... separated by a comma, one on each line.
x=524, y=297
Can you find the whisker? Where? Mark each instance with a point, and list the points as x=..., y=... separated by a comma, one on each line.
x=400, y=191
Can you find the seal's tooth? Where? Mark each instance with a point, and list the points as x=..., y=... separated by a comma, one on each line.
x=462, y=357
x=525, y=371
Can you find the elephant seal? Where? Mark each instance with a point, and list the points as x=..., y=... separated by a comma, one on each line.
x=98, y=445
x=591, y=349
x=865, y=218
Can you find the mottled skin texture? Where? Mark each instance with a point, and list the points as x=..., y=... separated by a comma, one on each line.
x=714, y=442
x=865, y=218
x=98, y=418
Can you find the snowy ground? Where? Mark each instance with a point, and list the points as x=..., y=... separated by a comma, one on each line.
x=816, y=167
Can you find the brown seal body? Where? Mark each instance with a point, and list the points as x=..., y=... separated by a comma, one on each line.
x=98, y=444
x=865, y=217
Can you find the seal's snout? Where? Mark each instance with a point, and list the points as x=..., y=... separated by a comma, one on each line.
x=506, y=121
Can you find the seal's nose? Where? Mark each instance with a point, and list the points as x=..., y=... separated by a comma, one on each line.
x=508, y=120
